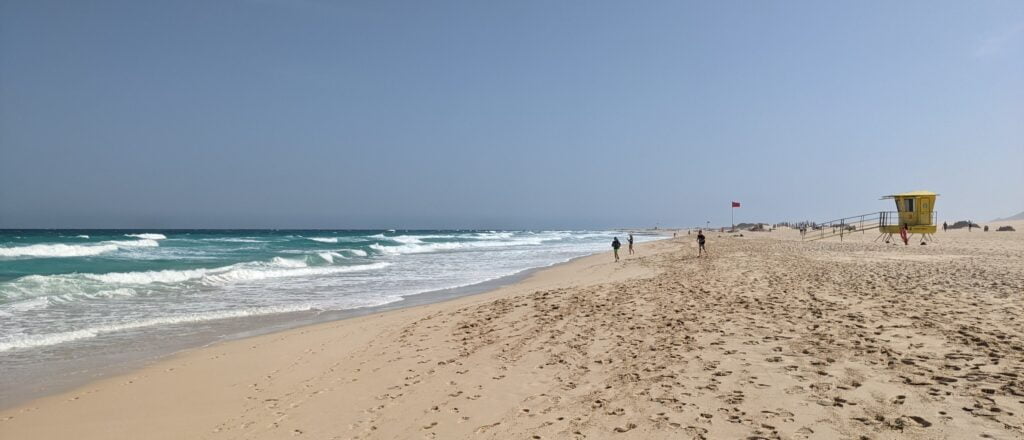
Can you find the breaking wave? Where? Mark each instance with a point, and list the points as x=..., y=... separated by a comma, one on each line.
x=324, y=239
x=148, y=236
x=57, y=250
x=38, y=340
x=415, y=244
x=67, y=287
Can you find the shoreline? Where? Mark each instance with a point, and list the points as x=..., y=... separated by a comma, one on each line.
x=79, y=373
x=769, y=337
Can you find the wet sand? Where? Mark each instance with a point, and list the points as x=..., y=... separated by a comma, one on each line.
x=770, y=337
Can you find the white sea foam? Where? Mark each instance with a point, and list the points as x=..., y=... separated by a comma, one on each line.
x=56, y=250
x=69, y=287
x=324, y=239
x=412, y=239
x=147, y=277
x=148, y=236
x=421, y=248
x=415, y=244
x=277, y=262
x=492, y=235
x=99, y=294
x=330, y=256
x=58, y=288
x=40, y=310
x=38, y=340
x=413, y=248
x=59, y=250
x=234, y=240
x=277, y=268
x=243, y=274
x=31, y=301
x=134, y=243
x=344, y=253
x=408, y=239
x=82, y=236
x=29, y=304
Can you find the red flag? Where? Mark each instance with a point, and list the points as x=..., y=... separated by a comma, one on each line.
x=735, y=204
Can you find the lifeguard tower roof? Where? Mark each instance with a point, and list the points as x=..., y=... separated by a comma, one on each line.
x=909, y=194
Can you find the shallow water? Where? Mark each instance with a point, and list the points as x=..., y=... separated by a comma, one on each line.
x=74, y=300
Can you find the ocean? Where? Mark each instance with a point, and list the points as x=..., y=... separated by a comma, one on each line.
x=67, y=296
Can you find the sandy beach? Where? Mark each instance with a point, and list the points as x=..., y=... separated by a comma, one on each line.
x=310, y=219
x=770, y=337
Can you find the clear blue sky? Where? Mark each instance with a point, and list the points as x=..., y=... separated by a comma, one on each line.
x=511, y=114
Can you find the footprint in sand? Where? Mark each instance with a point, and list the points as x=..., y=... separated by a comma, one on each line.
x=804, y=432
x=696, y=431
x=484, y=428
x=920, y=421
x=627, y=428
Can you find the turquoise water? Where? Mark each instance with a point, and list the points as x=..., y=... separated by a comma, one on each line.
x=66, y=288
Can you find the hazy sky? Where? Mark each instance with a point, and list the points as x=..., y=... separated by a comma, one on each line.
x=511, y=114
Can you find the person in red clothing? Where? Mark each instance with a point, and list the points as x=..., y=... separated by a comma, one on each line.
x=905, y=234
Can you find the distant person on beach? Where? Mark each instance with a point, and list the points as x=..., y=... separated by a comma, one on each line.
x=700, y=243
x=631, y=244
x=970, y=224
x=904, y=234
x=615, y=247
x=944, y=226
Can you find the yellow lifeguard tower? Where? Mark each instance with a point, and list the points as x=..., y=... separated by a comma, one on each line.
x=914, y=209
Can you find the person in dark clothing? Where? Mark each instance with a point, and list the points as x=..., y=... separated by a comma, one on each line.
x=615, y=247
x=630, y=244
x=700, y=243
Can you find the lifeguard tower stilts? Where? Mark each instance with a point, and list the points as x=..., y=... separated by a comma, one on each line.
x=914, y=209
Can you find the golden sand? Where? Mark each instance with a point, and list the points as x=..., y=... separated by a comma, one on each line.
x=769, y=338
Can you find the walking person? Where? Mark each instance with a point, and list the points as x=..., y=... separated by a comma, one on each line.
x=700, y=243
x=631, y=244
x=904, y=234
x=944, y=226
x=615, y=247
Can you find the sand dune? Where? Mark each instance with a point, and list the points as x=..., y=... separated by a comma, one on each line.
x=769, y=338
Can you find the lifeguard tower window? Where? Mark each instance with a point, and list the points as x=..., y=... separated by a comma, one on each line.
x=908, y=205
